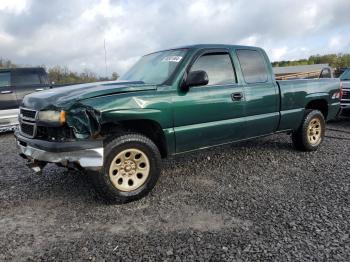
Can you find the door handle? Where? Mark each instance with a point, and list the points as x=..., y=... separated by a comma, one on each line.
x=39, y=89
x=236, y=96
x=6, y=92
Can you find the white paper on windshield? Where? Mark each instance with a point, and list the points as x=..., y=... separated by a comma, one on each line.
x=173, y=58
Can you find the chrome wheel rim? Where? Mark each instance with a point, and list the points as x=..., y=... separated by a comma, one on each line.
x=314, y=131
x=129, y=169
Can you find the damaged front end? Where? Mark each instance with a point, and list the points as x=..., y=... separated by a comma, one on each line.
x=64, y=125
x=67, y=136
x=84, y=120
x=72, y=155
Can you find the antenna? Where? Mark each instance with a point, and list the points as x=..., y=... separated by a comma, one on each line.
x=104, y=44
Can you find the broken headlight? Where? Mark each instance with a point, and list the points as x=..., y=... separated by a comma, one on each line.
x=51, y=116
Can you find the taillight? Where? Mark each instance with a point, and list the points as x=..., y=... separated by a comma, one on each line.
x=338, y=94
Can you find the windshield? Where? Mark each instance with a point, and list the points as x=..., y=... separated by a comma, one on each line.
x=345, y=75
x=155, y=68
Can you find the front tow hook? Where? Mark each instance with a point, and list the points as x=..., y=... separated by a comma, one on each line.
x=36, y=166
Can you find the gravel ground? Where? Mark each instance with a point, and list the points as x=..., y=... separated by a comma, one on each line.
x=258, y=200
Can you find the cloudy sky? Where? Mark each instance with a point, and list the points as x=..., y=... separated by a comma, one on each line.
x=72, y=32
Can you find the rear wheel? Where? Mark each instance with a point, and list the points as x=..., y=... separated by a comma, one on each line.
x=131, y=168
x=311, y=133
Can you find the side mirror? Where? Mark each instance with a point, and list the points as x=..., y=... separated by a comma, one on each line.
x=197, y=78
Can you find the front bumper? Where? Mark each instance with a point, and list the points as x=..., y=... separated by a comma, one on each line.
x=87, y=154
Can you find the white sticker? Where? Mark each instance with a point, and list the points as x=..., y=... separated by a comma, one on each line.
x=174, y=58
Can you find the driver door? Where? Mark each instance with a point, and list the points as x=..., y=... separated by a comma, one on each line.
x=212, y=114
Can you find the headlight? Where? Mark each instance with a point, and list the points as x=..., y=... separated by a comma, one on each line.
x=52, y=116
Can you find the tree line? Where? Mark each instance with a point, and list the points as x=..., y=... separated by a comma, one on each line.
x=334, y=60
x=63, y=75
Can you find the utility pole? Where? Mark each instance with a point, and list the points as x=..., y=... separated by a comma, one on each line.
x=104, y=44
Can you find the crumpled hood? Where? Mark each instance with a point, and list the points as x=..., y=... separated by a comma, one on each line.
x=68, y=95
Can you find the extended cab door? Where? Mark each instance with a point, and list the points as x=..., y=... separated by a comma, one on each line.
x=261, y=93
x=211, y=114
x=29, y=80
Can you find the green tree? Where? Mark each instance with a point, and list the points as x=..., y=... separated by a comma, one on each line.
x=6, y=63
x=115, y=76
x=334, y=60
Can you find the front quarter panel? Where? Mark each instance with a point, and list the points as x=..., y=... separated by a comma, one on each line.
x=148, y=105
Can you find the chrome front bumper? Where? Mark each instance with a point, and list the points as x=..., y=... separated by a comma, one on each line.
x=87, y=154
x=87, y=158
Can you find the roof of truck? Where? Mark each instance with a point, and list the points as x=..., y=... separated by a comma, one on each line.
x=198, y=46
x=211, y=46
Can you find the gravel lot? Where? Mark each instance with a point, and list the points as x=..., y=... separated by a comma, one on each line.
x=258, y=200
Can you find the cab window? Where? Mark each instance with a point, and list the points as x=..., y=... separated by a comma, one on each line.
x=326, y=73
x=5, y=79
x=253, y=66
x=218, y=66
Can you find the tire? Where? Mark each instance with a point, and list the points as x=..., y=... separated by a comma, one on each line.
x=125, y=178
x=311, y=132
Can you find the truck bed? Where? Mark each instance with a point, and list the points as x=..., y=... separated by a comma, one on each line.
x=296, y=94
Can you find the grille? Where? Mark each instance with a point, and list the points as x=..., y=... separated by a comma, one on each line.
x=28, y=113
x=346, y=94
x=27, y=129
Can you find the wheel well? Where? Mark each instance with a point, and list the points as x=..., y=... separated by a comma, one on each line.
x=149, y=128
x=319, y=104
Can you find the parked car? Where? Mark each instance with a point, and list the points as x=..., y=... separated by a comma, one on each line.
x=170, y=102
x=345, y=100
x=338, y=71
x=14, y=85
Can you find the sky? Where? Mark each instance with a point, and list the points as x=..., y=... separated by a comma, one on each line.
x=72, y=32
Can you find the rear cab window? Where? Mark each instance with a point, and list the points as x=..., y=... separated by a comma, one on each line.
x=5, y=79
x=218, y=66
x=253, y=66
x=326, y=73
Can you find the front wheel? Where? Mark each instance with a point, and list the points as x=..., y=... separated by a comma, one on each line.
x=131, y=168
x=311, y=133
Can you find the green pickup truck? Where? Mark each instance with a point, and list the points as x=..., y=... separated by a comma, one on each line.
x=170, y=102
